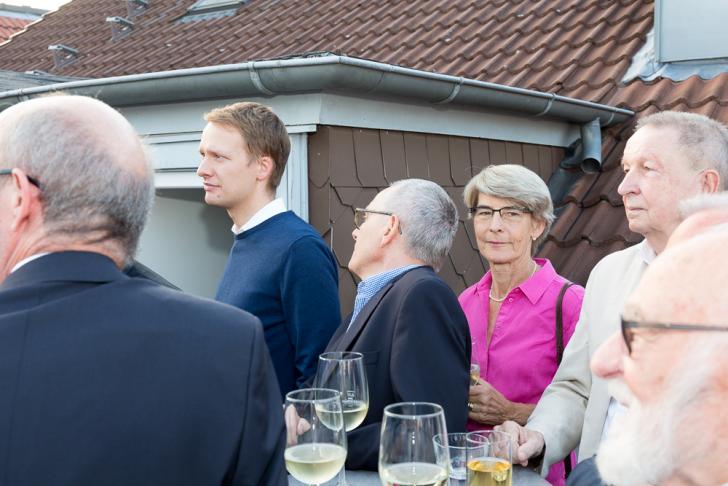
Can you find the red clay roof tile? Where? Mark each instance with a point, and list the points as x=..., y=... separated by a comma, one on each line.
x=577, y=48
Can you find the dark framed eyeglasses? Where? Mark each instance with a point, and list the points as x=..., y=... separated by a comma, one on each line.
x=628, y=328
x=32, y=180
x=360, y=216
x=508, y=213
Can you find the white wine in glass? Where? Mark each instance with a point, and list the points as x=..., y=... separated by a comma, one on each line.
x=407, y=454
x=489, y=459
x=316, y=439
x=344, y=371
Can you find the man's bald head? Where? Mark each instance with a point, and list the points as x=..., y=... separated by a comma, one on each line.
x=93, y=172
x=686, y=284
x=705, y=212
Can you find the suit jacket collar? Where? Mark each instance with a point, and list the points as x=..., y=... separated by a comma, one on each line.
x=66, y=266
x=358, y=325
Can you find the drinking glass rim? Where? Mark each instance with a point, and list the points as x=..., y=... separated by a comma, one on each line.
x=437, y=409
x=342, y=356
x=290, y=396
x=485, y=434
x=436, y=437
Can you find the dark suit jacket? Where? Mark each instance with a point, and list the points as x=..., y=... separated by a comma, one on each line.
x=416, y=346
x=139, y=270
x=585, y=474
x=106, y=379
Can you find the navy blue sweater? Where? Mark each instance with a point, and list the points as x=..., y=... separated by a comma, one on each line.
x=282, y=272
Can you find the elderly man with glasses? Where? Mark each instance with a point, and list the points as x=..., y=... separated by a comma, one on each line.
x=406, y=321
x=668, y=368
x=671, y=157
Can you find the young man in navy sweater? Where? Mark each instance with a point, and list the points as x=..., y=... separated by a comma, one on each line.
x=279, y=268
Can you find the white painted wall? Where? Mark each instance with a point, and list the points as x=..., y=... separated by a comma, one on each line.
x=186, y=241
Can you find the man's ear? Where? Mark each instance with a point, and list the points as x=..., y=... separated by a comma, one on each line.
x=265, y=167
x=391, y=231
x=25, y=200
x=709, y=181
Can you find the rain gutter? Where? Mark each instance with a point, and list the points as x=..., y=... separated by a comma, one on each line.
x=328, y=73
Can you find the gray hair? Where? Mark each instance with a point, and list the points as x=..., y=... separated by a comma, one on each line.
x=428, y=216
x=519, y=184
x=704, y=141
x=86, y=193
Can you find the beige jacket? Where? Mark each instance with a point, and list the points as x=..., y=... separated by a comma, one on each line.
x=574, y=406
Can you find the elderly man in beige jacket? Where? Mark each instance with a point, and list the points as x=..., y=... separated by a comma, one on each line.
x=671, y=157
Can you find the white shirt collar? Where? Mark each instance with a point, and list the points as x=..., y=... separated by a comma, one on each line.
x=646, y=252
x=276, y=206
x=28, y=260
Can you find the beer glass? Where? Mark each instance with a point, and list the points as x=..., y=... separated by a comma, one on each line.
x=456, y=447
x=489, y=459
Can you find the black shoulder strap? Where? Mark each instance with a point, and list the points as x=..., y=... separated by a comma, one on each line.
x=560, y=322
x=560, y=349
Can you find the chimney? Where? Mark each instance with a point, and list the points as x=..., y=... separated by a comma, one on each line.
x=120, y=27
x=63, y=55
x=134, y=8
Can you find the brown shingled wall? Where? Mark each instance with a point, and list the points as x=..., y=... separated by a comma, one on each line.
x=348, y=166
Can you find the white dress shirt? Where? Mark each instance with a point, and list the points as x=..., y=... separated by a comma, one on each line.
x=276, y=206
x=28, y=260
x=616, y=409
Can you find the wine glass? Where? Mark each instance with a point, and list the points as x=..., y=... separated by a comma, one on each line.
x=489, y=459
x=474, y=373
x=344, y=372
x=406, y=452
x=315, y=435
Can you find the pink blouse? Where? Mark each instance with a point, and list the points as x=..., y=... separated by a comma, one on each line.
x=520, y=359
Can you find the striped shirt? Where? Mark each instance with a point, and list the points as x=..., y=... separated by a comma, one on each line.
x=369, y=287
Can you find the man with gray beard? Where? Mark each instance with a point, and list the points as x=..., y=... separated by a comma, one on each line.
x=667, y=365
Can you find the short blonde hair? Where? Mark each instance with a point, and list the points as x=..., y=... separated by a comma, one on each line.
x=519, y=184
x=264, y=133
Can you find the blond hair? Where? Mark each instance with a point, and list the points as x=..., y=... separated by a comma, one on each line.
x=264, y=133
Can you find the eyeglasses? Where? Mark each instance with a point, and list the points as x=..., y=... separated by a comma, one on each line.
x=628, y=328
x=509, y=214
x=32, y=180
x=360, y=216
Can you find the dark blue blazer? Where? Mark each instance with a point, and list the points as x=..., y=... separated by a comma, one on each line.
x=585, y=474
x=416, y=345
x=106, y=379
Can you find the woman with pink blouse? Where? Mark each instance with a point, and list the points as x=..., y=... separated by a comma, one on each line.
x=512, y=309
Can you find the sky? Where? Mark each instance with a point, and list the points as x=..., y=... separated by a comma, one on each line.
x=44, y=4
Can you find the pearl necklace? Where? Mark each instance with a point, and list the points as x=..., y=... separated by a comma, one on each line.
x=490, y=294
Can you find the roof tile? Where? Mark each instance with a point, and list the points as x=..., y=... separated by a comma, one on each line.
x=577, y=48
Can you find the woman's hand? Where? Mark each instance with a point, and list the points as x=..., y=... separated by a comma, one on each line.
x=488, y=406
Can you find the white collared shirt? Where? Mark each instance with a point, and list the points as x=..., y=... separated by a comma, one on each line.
x=276, y=206
x=616, y=409
x=28, y=260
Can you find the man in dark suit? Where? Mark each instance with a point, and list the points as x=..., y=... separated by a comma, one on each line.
x=406, y=321
x=106, y=379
